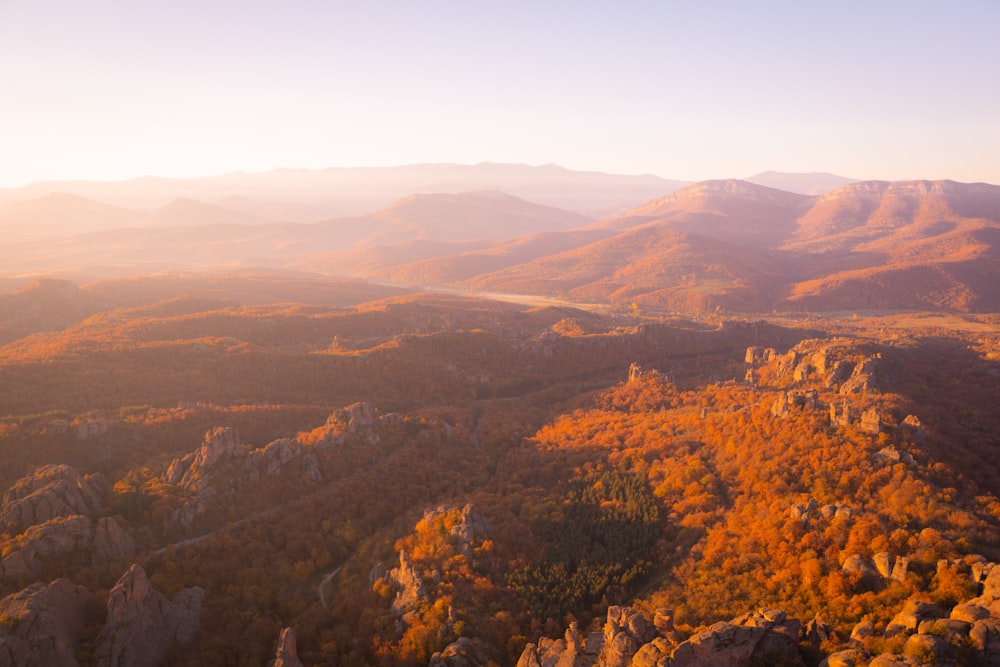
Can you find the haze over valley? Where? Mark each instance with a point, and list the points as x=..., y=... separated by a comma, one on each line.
x=514, y=334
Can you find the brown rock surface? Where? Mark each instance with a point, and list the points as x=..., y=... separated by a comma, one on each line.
x=286, y=655
x=92, y=543
x=142, y=625
x=42, y=625
x=52, y=491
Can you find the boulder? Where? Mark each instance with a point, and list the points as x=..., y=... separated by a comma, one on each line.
x=142, y=625
x=883, y=563
x=52, y=491
x=925, y=648
x=852, y=657
x=42, y=624
x=891, y=660
x=969, y=612
x=991, y=587
x=908, y=620
x=862, y=631
x=857, y=564
x=984, y=636
x=952, y=631
x=286, y=655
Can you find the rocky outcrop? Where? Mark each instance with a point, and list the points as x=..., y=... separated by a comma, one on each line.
x=914, y=613
x=759, y=355
x=794, y=399
x=840, y=414
x=286, y=654
x=990, y=597
x=871, y=421
x=189, y=471
x=222, y=464
x=142, y=625
x=862, y=379
x=765, y=637
x=911, y=424
x=625, y=632
x=463, y=652
x=890, y=455
x=359, y=419
x=409, y=584
x=41, y=625
x=470, y=528
x=76, y=536
x=52, y=491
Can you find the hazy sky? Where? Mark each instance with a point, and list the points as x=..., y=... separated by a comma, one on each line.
x=104, y=89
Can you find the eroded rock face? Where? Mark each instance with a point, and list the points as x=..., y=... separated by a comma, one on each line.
x=862, y=379
x=42, y=625
x=91, y=543
x=221, y=464
x=52, y=491
x=286, y=655
x=410, y=585
x=142, y=625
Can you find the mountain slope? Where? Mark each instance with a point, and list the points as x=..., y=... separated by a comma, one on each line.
x=651, y=265
x=58, y=215
x=732, y=211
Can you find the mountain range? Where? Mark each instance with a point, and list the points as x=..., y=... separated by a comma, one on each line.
x=731, y=245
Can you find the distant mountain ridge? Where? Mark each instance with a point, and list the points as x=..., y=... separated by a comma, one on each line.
x=308, y=195
x=725, y=244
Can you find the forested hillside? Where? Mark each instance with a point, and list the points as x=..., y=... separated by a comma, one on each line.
x=422, y=478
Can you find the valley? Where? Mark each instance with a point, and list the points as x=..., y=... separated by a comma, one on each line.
x=719, y=425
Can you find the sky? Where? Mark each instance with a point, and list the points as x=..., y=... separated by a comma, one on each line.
x=888, y=89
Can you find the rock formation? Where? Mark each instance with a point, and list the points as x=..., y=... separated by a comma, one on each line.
x=410, y=585
x=840, y=414
x=862, y=379
x=463, y=652
x=916, y=429
x=52, y=491
x=90, y=543
x=355, y=419
x=871, y=421
x=42, y=625
x=142, y=625
x=286, y=655
x=221, y=464
x=762, y=637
